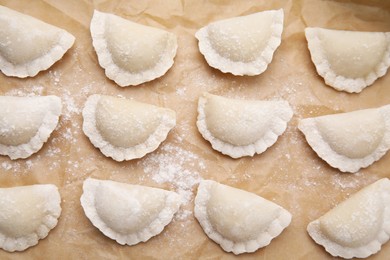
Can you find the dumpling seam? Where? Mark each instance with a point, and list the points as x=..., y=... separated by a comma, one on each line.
x=120, y=76
x=256, y=67
x=352, y=85
x=363, y=251
x=273, y=230
x=343, y=163
x=155, y=227
x=49, y=123
x=120, y=153
x=32, y=68
x=267, y=140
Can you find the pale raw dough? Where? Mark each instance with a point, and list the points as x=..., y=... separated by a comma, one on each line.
x=28, y=45
x=349, y=141
x=131, y=53
x=240, y=128
x=128, y=213
x=358, y=226
x=242, y=45
x=26, y=123
x=239, y=221
x=125, y=129
x=28, y=213
x=349, y=60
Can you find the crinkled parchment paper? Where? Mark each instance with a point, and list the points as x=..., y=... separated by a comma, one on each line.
x=289, y=173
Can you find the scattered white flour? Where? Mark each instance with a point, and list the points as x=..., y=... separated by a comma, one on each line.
x=339, y=181
x=67, y=128
x=68, y=124
x=178, y=167
x=6, y=166
x=181, y=91
x=52, y=151
x=29, y=164
x=54, y=165
x=55, y=77
x=34, y=91
x=183, y=214
x=69, y=106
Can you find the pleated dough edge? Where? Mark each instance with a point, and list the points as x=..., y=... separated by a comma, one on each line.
x=31, y=69
x=235, y=152
x=119, y=153
x=362, y=252
x=253, y=68
x=308, y=127
x=339, y=82
x=49, y=123
x=275, y=228
x=173, y=203
x=50, y=222
x=120, y=76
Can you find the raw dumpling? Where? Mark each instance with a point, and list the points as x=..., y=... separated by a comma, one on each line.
x=241, y=127
x=26, y=123
x=358, y=226
x=28, y=213
x=349, y=60
x=242, y=45
x=28, y=45
x=125, y=129
x=128, y=213
x=239, y=221
x=349, y=141
x=131, y=53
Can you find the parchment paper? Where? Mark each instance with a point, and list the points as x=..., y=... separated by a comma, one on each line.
x=289, y=173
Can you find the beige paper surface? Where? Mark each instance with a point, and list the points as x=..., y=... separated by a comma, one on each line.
x=289, y=173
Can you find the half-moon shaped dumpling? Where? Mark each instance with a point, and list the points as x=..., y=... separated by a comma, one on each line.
x=241, y=127
x=242, y=45
x=128, y=213
x=358, y=226
x=349, y=141
x=28, y=213
x=28, y=45
x=129, y=52
x=349, y=60
x=239, y=221
x=125, y=129
x=26, y=123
